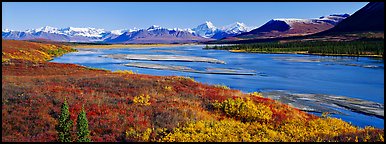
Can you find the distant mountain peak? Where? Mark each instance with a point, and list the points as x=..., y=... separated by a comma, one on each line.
x=48, y=29
x=154, y=27
x=87, y=32
x=209, y=24
x=206, y=29
x=6, y=30
x=119, y=32
x=235, y=28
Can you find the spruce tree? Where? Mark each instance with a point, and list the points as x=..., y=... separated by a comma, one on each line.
x=82, y=127
x=65, y=124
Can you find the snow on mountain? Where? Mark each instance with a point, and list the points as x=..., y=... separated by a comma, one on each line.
x=332, y=19
x=291, y=21
x=6, y=30
x=157, y=34
x=47, y=29
x=190, y=31
x=235, y=28
x=121, y=31
x=118, y=32
x=154, y=27
x=286, y=27
x=206, y=29
x=75, y=34
x=86, y=32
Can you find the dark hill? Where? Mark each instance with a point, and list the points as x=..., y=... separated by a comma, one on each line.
x=369, y=18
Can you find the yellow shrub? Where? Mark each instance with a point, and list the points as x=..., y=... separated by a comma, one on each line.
x=244, y=110
x=132, y=134
x=125, y=72
x=168, y=88
x=229, y=130
x=182, y=78
x=142, y=99
x=226, y=130
x=256, y=94
x=222, y=86
x=207, y=131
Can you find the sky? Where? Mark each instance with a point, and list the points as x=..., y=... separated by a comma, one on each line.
x=128, y=15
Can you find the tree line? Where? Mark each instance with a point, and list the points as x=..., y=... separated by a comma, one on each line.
x=362, y=47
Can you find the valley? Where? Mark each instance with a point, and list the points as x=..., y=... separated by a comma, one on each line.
x=109, y=99
x=103, y=72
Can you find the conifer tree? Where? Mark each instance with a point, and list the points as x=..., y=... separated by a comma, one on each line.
x=82, y=127
x=65, y=124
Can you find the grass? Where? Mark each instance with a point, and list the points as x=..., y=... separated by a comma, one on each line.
x=36, y=52
x=122, y=106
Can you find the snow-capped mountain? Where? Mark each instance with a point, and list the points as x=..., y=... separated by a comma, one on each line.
x=154, y=33
x=206, y=30
x=154, y=27
x=6, y=30
x=69, y=34
x=334, y=18
x=236, y=28
x=69, y=31
x=46, y=29
x=285, y=27
x=86, y=32
x=157, y=34
x=118, y=32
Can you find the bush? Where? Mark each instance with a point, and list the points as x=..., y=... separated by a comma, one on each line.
x=256, y=94
x=142, y=99
x=222, y=86
x=244, y=110
x=125, y=72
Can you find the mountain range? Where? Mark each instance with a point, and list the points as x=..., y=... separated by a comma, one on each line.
x=154, y=34
x=275, y=28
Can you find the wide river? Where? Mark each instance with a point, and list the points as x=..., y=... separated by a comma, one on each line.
x=361, y=78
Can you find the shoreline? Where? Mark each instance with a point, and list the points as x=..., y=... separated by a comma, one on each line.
x=306, y=53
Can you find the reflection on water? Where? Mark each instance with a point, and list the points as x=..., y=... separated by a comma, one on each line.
x=359, y=77
x=330, y=60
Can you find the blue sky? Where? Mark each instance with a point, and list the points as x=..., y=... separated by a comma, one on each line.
x=123, y=15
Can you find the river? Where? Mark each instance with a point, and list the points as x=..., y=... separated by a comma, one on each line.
x=353, y=77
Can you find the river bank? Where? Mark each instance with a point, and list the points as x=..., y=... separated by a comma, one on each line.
x=306, y=53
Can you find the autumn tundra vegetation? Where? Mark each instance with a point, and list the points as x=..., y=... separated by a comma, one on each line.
x=46, y=101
